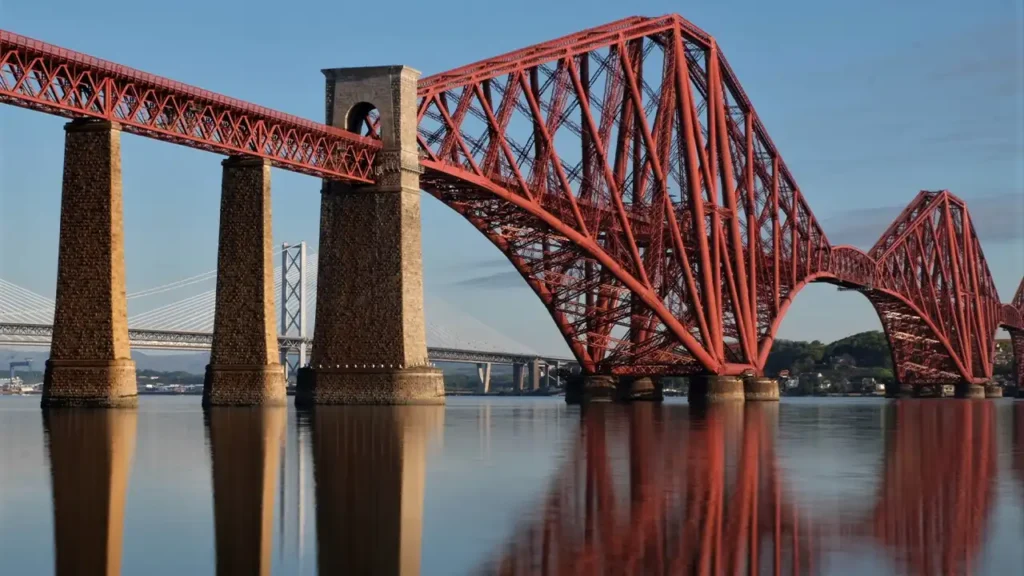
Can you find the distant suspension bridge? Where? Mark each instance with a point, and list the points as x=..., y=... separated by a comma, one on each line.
x=186, y=323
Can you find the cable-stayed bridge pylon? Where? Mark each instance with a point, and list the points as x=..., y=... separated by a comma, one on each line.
x=184, y=321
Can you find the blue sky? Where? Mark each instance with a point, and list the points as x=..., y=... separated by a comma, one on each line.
x=868, y=102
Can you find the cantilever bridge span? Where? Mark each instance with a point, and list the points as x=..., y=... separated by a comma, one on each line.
x=624, y=173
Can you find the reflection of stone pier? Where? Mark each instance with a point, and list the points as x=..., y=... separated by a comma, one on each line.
x=90, y=461
x=369, y=468
x=244, y=447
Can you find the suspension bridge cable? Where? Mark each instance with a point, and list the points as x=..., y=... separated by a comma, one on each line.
x=182, y=282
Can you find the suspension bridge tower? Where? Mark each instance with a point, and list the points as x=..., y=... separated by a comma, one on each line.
x=293, y=307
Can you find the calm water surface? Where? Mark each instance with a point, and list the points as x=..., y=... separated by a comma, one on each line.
x=514, y=486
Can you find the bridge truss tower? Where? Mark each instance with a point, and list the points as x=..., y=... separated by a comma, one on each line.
x=293, y=306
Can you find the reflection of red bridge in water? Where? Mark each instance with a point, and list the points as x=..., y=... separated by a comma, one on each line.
x=705, y=495
x=625, y=174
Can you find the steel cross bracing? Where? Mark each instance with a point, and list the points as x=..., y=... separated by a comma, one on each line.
x=40, y=334
x=293, y=305
x=1013, y=321
x=625, y=174
x=50, y=79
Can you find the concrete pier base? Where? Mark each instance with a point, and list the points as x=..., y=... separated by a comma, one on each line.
x=993, y=391
x=934, y=391
x=640, y=389
x=90, y=361
x=965, y=390
x=599, y=388
x=898, y=390
x=704, y=388
x=587, y=388
x=423, y=385
x=761, y=389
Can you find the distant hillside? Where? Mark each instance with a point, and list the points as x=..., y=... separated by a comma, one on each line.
x=867, y=350
x=192, y=362
x=863, y=354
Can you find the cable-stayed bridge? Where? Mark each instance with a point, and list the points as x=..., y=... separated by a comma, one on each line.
x=184, y=320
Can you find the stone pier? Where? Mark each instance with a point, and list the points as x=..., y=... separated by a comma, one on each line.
x=244, y=368
x=968, y=390
x=761, y=389
x=933, y=391
x=993, y=391
x=369, y=345
x=640, y=388
x=711, y=388
x=587, y=388
x=90, y=361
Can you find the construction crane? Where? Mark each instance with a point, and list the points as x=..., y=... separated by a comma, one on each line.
x=27, y=363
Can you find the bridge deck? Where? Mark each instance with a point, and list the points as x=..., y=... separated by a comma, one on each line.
x=40, y=334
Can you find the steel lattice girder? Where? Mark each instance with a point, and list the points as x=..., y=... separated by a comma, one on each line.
x=43, y=77
x=625, y=174
x=931, y=260
x=1013, y=313
x=1013, y=321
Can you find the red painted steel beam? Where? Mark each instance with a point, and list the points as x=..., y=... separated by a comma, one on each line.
x=644, y=203
x=58, y=81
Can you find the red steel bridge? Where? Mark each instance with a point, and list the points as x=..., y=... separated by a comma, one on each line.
x=626, y=175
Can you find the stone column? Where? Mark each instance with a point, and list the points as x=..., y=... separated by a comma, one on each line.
x=245, y=445
x=90, y=361
x=244, y=367
x=90, y=462
x=369, y=345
